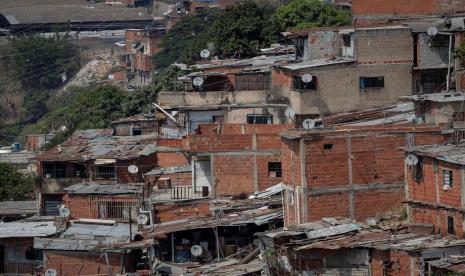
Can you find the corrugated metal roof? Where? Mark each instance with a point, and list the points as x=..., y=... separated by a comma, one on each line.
x=18, y=207
x=104, y=189
x=100, y=143
x=181, y=169
x=452, y=153
x=316, y=63
x=443, y=97
x=21, y=229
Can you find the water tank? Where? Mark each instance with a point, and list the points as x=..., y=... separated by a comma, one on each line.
x=15, y=147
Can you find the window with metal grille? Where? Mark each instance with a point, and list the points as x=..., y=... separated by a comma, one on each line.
x=274, y=169
x=450, y=225
x=447, y=178
x=253, y=81
x=261, y=119
x=300, y=85
x=367, y=83
x=105, y=172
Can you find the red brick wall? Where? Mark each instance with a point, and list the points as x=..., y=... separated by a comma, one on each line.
x=144, y=163
x=401, y=263
x=406, y=7
x=170, y=159
x=377, y=158
x=79, y=206
x=82, y=263
x=164, y=213
x=438, y=218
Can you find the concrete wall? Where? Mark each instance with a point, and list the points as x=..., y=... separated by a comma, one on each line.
x=430, y=54
x=125, y=129
x=324, y=44
x=344, y=94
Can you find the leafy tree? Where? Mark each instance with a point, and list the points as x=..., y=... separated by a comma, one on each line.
x=41, y=62
x=184, y=41
x=299, y=14
x=14, y=185
x=243, y=29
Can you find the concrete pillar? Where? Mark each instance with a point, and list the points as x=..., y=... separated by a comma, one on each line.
x=351, y=182
x=255, y=170
x=303, y=181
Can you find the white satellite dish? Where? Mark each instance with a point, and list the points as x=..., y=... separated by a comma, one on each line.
x=197, y=81
x=290, y=113
x=308, y=124
x=432, y=31
x=307, y=78
x=142, y=219
x=32, y=168
x=51, y=272
x=63, y=128
x=64, y=212
x=205, y=53
x=411, y=160
x=196, y=250
x=133, y=169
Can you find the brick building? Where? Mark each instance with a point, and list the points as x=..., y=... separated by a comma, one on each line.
x=435, y=187
x=141, y=45
x=369, y=12
x=339, y=172
x=234, y=159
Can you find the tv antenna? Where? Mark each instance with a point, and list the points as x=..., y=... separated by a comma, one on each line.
x=308, y=124
x=307, y=78
x=205, y=53
x=133, y=169
x=197, y=81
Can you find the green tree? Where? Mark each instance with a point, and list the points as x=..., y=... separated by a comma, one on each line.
x=184, y=41
x=41, y=62
x=14, y=185
x=299, y=14
x=243, y=29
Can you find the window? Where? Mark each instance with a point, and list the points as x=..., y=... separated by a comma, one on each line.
x=450, y=225
x=105, y=172
x=346, y=40
x=367, y=83
x=136, y=131
x=54, y=170
x=328, y=146
x=274, y=169
x=259, y=119
x=447, y=178
x=298, y=84
x=417, y=172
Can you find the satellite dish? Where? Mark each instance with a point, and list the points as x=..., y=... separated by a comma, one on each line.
x=308, y=124
x=411, y=160
x=432, y=31
x=290, y=113
x=51, y=272
x=32, y=168
x=142, y=219
x=307, y=78
x=133, y=169
x=64, y=212
x=197, y=81
x=205, y=53
x=63, y=128
x=196, y=250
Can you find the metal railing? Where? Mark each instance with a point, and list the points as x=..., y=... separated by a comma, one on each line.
x=179, y=193
x=20, y=268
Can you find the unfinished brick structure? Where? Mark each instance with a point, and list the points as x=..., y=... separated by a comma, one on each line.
x=435, y=193
x=368, y=12
x=236, y=159
x=340, y=172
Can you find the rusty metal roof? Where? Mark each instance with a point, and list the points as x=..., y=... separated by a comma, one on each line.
x=452, y=153
x=104, y=189
x=100, y=143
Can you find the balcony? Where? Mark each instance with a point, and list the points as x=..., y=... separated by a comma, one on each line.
x=179, y=193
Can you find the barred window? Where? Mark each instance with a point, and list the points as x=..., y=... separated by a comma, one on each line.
x=371, y=83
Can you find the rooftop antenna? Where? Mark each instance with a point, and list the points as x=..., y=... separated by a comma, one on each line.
x=133, y=169
x=205, y=53
x=307, y=78
x=197, y=81
x=290, y=113
x=411, y=160
x=308, y=124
